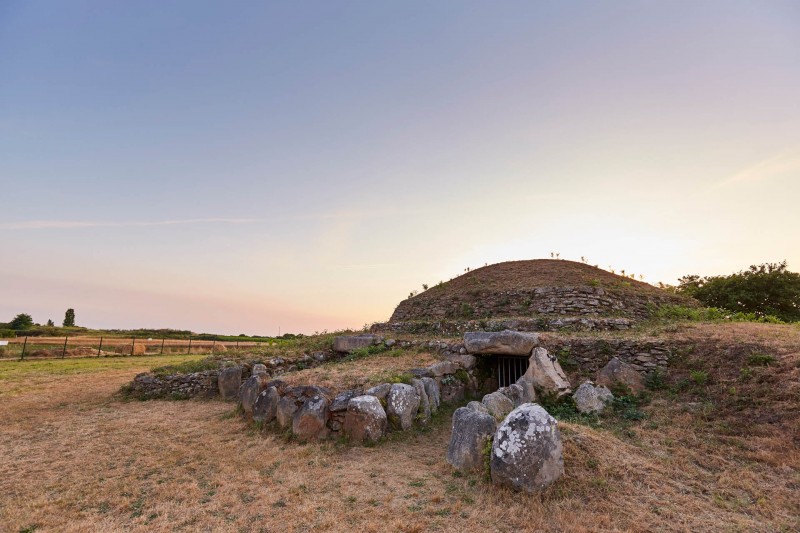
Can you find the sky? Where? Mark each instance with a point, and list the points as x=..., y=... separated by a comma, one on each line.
x=265, y=167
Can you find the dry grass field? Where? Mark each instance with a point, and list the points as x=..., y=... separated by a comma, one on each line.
x=75, y=457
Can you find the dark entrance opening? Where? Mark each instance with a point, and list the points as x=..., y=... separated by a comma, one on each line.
x=510, y=369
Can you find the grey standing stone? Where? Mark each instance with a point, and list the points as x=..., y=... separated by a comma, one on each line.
x=249, y=391
x=266, y=406
x=342, y=399
x=471, y=431
x=309, y=422
x=259, y=368
x=380, y=391
x=365, y=419
x=527, y=451
x=432, y=390
x=424, y=409
x=402, y=403
x=229, y=381
x=443, y=368
x=498, y=405
x=546, y=374
x=477, y=406
x=285, y=411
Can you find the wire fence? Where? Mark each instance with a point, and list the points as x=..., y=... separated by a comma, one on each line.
x=22, y=348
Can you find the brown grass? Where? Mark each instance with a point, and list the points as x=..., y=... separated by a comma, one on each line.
x=74, y=458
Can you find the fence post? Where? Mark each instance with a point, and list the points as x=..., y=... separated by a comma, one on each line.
x=133, y=343
x=162, y=345
x=64, y=351
x=212, y=346
x=24, y=344
x=99, y=348
x=190, y=346
x=237, y=345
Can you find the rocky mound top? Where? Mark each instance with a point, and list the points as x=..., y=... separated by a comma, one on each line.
x=541, y=288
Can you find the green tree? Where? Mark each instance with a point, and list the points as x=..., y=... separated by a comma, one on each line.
x=69, y=318
x=766, y=289
x=50, y=322
x=21, y=321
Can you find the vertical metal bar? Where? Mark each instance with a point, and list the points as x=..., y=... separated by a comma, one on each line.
x=162, y=345
x=99, y=348
x=24, y=344
x=64, y=350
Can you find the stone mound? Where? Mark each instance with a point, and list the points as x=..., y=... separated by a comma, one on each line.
x=539, y=294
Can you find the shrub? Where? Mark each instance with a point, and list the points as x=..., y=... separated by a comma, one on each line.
x=766, y=289
x=760, y=359
x=700, y=377
x=21, y=321
x=710, y=314
x=7, y=333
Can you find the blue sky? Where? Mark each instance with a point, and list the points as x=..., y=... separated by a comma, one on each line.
x=244, y=166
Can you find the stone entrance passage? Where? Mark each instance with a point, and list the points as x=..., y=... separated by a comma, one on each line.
x=509, y=369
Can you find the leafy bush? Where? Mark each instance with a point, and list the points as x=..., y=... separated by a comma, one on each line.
x=764, y=290
x=700, y=377
x=21, y=321
x=7, y=333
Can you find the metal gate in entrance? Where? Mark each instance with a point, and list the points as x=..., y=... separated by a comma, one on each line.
x=510, y=369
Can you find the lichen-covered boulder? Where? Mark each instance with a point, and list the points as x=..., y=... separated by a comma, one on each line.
x=348, y=343
x=424, y=409
x=229, y=381
x=259, y=368
x=266, y=406
x=498, y=405
x=465, y=360
x=591, y=399
x=432, y=390
x=527, y=451
x=309, y=422
x=249, y=391
x=365, y=419
x=500, y=342
x=617, y=373
x=471, y=431
x=402, y=403
x=546, y=374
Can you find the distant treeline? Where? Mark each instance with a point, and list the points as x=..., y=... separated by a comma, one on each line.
x=164, y=333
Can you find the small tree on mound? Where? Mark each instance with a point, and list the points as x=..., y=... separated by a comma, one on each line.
x=767, y=289
x=69, y=318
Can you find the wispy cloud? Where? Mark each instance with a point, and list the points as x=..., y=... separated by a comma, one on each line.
x=69, y=224
x=779, y=166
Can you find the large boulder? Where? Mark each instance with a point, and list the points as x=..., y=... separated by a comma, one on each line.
x=500, y=342
x=249, y=391
x=341, y=400
x=402, y=403
x=528, y=390
x=477, y=406
x=466, y=360
x=498, y=405
x=259, y=368
x=546, y=375
x=266, y=407
x=591, y=399
x=365, y=419
x=616, y=373
x=310, y=420
x=229, y=381
x=348, y=343
x=472, y=429
x=526, y=451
